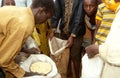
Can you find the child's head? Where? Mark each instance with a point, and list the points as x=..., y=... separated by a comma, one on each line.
x=90, y=7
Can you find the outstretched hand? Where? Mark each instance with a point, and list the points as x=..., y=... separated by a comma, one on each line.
x=31, y=50
x=92, y=50
x=27, y=74
x=51, y=35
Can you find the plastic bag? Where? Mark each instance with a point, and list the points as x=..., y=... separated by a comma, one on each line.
x=30, y=43
x=91, y=68
x=39, y=57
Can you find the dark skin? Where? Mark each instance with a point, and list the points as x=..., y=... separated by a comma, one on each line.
x=39, y=13
x=69, y=41
x=28, y=51
x=40, y=16
x=90, y=7
x=31, y=50
x=43, y=16
x=92, y=50
x=8, y=2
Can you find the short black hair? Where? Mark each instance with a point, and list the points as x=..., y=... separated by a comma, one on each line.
x=96, y=1
x=47, y=4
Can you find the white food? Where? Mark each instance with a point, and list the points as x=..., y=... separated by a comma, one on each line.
x=41, y=67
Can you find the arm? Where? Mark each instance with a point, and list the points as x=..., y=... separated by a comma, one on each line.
x=11, y=41
x=98, y=23
x=79, y=21
x=10, y=48
x=110, y=54
x=110, y=51
x=58, y=13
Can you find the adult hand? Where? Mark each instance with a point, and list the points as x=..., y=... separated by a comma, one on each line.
x=27, y=74
x=35, y=51
x=52, y=33
x=31, y=50
x=92, y=50
x=70, y=41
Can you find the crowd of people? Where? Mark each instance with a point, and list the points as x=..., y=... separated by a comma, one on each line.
x=89, y=26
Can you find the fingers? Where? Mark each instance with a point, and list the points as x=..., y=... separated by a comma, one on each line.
x=89, y=55
x=51, y=35
x=37, y=52
x=68, y=44
x=90, y=52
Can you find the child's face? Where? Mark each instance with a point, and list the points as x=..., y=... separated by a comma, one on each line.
x=90, y=7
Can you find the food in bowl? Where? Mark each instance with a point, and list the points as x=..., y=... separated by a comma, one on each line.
x=41, y=67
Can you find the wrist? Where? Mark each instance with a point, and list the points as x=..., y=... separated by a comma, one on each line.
x=53, y=30
x=97, y=49
x=26, y=74
x=73, y=35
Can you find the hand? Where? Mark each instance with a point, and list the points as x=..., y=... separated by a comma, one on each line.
x=70, y=41
x=52, y=33
x=30, y=74
x=92, y=50
x=34, y=51
x=31, y=50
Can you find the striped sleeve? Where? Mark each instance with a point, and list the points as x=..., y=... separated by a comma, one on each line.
x=99, y=12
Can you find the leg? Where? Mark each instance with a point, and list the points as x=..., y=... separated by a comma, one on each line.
x=69, y=70
x=75, y=54
x=76, y=66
